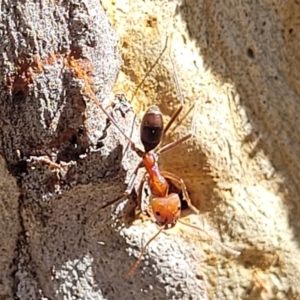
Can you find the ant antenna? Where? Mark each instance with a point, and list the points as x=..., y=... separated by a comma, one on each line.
x=178, y=111
x=151, y=68
x=181, y=99
x=226, y=248
x=132, y=269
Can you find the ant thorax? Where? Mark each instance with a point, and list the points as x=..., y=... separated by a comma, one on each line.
x=157, y=182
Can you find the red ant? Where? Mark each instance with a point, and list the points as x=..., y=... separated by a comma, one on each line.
x=164, y=208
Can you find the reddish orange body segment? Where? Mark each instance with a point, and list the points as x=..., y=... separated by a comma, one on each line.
x=158, y=184
x=166, y=209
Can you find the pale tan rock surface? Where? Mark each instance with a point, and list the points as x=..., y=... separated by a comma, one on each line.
x=239, y=61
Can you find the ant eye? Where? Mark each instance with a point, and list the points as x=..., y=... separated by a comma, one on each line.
x=157, y=213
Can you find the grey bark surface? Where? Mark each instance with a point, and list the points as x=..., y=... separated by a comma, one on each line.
x=49, y=129
x=239, y=61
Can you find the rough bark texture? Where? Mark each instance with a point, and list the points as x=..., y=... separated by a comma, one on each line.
x=239, y=61
x=52, y=55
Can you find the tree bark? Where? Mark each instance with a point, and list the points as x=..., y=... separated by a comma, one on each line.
x=237, y=61
x=55, y=56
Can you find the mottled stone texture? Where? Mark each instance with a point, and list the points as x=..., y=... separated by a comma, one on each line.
x=238, y=61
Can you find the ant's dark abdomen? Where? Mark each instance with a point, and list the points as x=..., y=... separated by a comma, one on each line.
x=152, y=128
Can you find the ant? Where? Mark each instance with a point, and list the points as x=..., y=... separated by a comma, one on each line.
x=165, y=207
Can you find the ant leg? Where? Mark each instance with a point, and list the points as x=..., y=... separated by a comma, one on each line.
x=44, y=160
x=88, y=92
x=226, y=248
x=132, y=178
x=91, y=94
x=179, y=181
x=140, y=191
x=116, y=200
x=171, y=145
x=132, y=269
x=125, y=195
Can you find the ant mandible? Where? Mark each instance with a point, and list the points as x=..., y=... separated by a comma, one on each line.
x=164, y=208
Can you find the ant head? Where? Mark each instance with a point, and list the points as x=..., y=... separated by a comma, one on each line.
x=151, y=128
x=166, y=210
